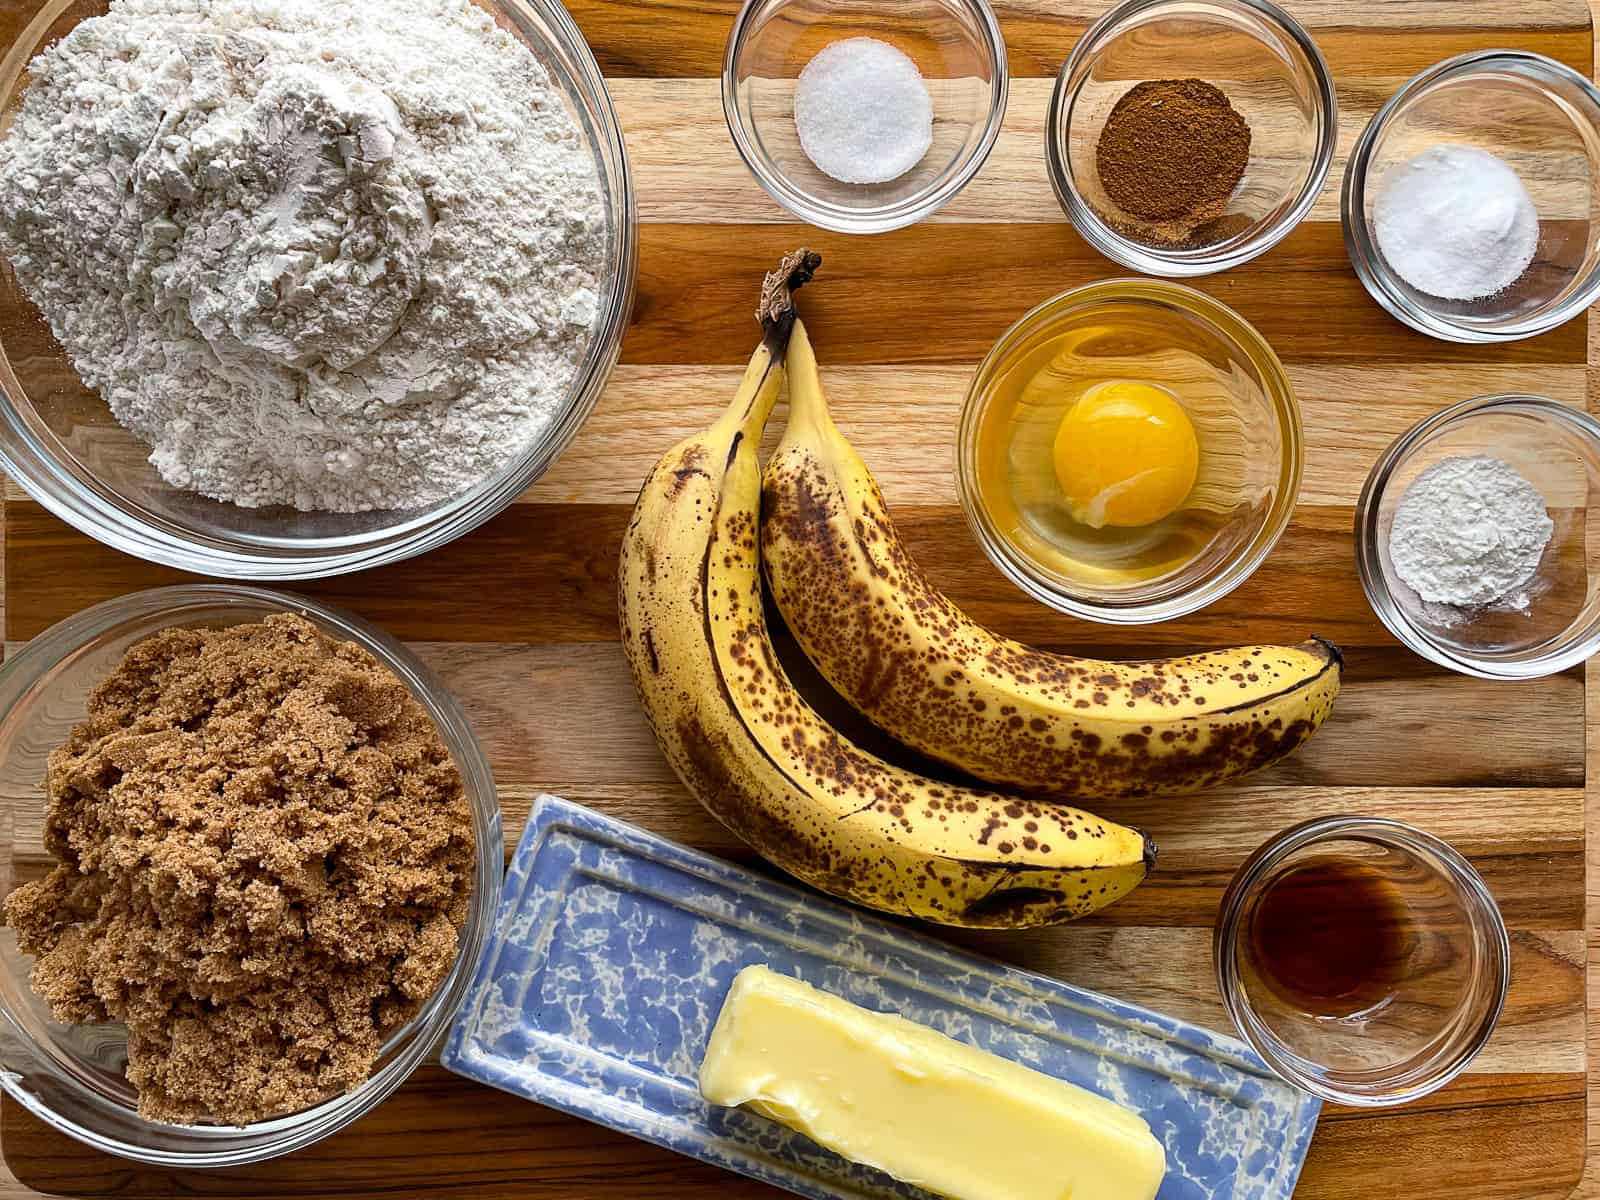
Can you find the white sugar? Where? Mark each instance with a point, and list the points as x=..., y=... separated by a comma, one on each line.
x=1456, y=222
x=863, y=112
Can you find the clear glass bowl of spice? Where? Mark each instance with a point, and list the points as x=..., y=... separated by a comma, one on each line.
x=1471, y=537
x=1470, y=199
x=859, y=116
x=346, y=460
x=1187, y=137
x=306, y=842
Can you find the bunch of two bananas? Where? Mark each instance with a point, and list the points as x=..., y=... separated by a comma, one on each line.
x=767, y=765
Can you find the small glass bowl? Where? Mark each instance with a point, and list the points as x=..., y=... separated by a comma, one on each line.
x=1232, y=387
x=71, y=1076
x=1273, y=74
x=1452, y=966
x=59, y=441
x=956, y=44
x=1556, y=448
x=1543, y=119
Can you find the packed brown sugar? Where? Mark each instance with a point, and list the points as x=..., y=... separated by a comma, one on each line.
x=264, y=860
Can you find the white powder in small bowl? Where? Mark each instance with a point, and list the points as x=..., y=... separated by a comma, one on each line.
x=1470, y=533
x=862, y=111
x=1456, y=222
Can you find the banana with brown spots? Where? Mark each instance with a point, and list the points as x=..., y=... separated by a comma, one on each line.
x=1016, y=717
x=763, y=761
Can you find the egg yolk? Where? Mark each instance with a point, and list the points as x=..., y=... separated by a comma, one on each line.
x=1125, y=454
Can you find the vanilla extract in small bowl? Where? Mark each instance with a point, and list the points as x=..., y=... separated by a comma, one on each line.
x=1332, y=937
x=1364, y=960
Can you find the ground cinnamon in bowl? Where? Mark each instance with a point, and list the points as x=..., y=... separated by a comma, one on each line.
x=264, y=859
x=1169, y=157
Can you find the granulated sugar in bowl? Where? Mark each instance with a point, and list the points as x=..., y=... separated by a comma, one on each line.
x=862, y=111
x=360, y=294
x=1456, y=222
x=862, y=118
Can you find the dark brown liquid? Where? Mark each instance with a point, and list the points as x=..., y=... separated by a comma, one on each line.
x=1331, y=936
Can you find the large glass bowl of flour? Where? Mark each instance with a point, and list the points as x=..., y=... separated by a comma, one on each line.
x=61, y=442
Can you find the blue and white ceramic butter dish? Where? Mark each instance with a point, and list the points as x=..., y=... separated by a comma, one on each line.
x=615, y=949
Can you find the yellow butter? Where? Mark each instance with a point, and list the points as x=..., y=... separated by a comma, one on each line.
x=929, y=1110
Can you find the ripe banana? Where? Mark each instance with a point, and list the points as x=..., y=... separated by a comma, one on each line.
x=765, y=764
x=1016, y=717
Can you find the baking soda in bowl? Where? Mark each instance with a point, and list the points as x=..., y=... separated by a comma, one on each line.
x=1456, y=222
x=1468, y=534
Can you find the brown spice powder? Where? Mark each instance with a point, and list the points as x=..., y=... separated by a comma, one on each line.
x=265, y=858
x=1172, y=150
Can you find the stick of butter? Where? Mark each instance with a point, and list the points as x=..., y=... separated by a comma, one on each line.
x=927, y=1109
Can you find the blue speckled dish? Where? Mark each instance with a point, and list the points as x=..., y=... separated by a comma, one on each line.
x=616, y=948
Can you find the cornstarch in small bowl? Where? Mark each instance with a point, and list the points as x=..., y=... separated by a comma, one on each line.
x=1468, y=537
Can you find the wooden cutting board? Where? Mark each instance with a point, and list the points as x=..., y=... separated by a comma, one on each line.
x=519, y=617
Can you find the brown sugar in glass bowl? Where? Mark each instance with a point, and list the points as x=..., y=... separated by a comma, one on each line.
x=320, y=809
x=263, y=857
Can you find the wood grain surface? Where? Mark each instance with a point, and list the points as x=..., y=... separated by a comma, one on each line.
x=519, y=617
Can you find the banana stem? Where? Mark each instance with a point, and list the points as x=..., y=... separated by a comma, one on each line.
x=763, y=378
x=747, y=415
x=776, y=310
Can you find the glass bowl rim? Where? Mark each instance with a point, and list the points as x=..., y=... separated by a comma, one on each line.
x=230, y=1146
x=1369, y=562
x=1379, y=831
x=1187, y=264
x=1365, y=258
x=838, y=218
x=1249, y=343
x=97, y=511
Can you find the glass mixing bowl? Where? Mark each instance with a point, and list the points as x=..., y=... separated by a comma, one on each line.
x=1542, y=118
x=71, y=1076
x=958, y=48
x=1272, y=73
x=1556, y=448
x=59, y=440
x=1234, y=391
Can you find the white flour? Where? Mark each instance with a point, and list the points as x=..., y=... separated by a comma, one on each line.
x=340, y=256
x=1469, y=533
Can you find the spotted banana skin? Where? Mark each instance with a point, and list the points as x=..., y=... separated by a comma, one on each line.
x=1006, y=713
x=766, y=764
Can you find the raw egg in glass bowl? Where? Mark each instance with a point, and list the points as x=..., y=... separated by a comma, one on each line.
x=1129, y=451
